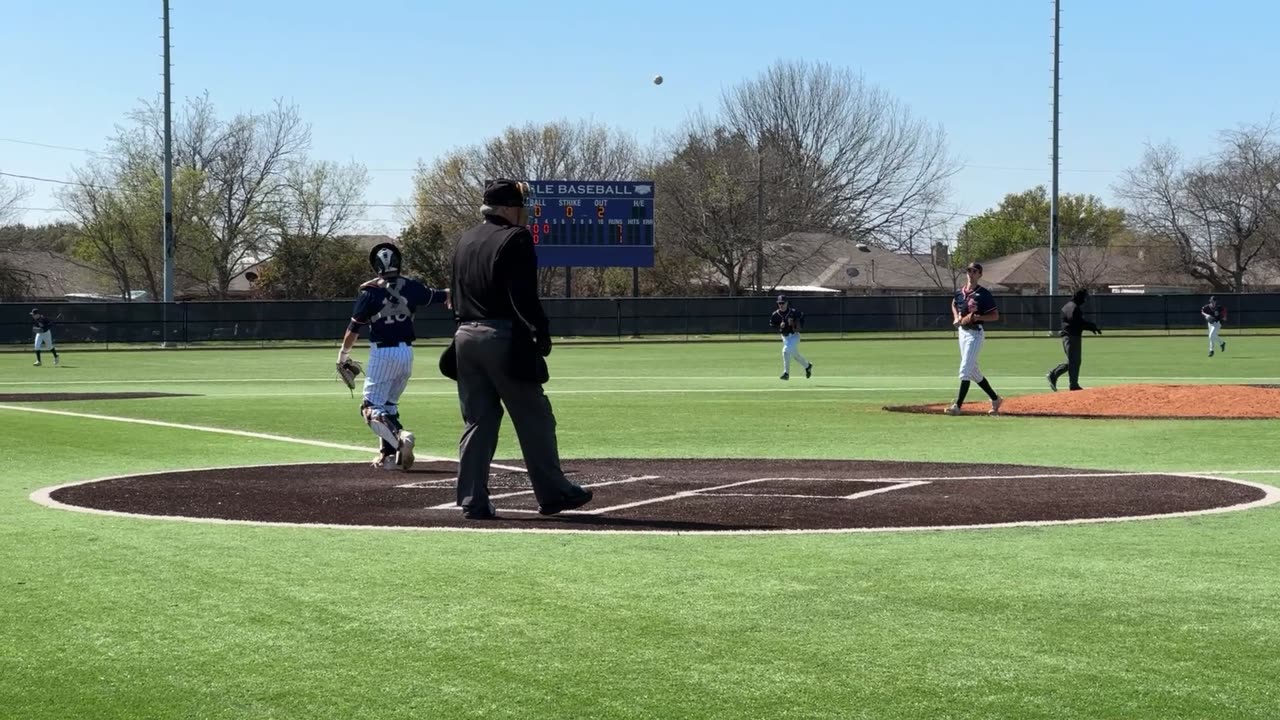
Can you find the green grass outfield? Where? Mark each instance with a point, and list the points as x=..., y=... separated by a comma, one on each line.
x=105, y=617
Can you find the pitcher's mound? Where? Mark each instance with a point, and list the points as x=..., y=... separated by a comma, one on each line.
x=1179, y=402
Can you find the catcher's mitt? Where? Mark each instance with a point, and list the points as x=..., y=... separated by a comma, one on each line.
x=347, y=371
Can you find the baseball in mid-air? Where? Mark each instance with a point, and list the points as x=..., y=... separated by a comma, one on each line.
x=657, y=79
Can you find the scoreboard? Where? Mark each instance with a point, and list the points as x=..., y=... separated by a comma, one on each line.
x=592, y=223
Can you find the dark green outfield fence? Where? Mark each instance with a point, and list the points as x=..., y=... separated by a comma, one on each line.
x=270, y=321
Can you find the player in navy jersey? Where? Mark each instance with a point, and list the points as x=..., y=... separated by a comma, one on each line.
x=1214, y=314
x=43, y=328
x=973, y=306
x=386, y=305
x=788, y=320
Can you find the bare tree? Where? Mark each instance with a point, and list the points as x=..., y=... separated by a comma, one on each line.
x=922, y=238
x=1221, y=215
x=1081, y=264
x=318, y=203
x=11, y=194
x=14, y=281
x=246, y=182
x=857, y=159
x=704, y=205
x=447, y=192
x=810, y=148
x=112, y=236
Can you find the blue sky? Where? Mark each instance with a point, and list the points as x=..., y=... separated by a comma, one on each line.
x=387, y=82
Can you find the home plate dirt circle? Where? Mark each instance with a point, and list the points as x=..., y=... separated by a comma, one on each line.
x=671, y=496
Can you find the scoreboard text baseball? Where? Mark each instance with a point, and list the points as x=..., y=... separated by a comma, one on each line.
x=600, y=223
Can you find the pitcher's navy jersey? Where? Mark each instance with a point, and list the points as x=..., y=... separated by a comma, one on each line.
x=42, y=324
x=778, y=320
x=388, y=306
x=1213, y=312
x=977, y=299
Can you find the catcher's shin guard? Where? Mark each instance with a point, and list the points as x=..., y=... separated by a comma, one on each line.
x=382, y=425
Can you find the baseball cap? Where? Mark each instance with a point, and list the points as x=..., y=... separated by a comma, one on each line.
x=505, y=193
x=782, y=298
x=35, y=311
x=974, y=266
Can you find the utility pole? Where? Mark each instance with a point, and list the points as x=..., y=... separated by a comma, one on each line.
x=759, y=217
x=1053, y=198
x=168, y=181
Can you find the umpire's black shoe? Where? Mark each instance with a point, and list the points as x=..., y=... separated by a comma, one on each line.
x=568, y=502
x=785, y=376
x=482, y=512
x=808, y=371
x=1053, y=382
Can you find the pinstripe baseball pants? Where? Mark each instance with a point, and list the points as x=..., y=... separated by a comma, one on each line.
x=386, y=378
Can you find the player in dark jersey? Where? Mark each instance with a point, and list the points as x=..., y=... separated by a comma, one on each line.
x=1214, y=314
x=788, y=320
x=386, y=305
x=972, y=306
x=43, y=328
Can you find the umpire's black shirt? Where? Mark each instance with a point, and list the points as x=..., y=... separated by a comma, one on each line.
x=1073, y=322
x=495, y=275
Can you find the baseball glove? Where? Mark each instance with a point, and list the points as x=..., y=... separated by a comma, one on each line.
x=347, y=371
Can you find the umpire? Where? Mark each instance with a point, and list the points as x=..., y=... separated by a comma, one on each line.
x=1073, y=327
x=502, y=337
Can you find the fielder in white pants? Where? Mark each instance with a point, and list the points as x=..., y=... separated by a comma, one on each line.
x=1213, y=315
x=788, y=320
x=43, y=328
x=970, y=309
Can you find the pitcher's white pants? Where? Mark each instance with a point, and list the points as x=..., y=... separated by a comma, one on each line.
x=1214, y=329
x=970, y=347
x=44, y=340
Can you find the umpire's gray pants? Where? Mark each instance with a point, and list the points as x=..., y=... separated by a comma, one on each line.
x=484, y=386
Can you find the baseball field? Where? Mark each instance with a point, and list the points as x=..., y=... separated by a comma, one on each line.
x=661, y=615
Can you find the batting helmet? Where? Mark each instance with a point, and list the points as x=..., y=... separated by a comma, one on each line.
x=385, y=259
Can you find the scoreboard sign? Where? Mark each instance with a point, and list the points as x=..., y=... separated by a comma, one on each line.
x=592, y=223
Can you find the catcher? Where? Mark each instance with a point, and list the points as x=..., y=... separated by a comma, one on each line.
x=972, y=306
x=386, y=304
x=788, y=320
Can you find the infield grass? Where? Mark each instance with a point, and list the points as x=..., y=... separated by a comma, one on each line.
x=119, y=618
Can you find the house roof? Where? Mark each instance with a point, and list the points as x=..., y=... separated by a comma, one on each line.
x=834, y=262
x=1081, y=265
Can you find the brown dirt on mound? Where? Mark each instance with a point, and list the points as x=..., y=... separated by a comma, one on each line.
x=60, y=397
x=1181, y=402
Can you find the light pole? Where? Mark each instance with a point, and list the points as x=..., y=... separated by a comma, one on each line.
x=1053, y=197
x=168, y=185
x=759, y=216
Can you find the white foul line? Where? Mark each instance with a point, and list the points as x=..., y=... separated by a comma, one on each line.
x=517, y=493
x=891, y=488
x=224, y=431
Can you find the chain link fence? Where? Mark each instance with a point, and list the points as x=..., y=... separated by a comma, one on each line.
x=265, y=322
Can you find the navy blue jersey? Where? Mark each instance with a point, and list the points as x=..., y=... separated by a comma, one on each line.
x=388, y=307
x=778, y=321
x=1213, y=312
x=42, y=324
x=974, y=300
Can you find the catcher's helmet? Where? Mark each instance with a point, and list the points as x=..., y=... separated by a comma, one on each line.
x=385, y=259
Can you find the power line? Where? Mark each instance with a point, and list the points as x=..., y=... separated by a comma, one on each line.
x=50, y=146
